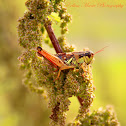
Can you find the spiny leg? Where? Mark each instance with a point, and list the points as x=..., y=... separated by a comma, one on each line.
x=58, y=75
x=63, y=68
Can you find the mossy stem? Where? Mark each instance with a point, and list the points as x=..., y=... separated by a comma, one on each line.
x=53, y=38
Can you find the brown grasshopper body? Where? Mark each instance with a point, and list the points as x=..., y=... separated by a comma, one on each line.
x=67, y=60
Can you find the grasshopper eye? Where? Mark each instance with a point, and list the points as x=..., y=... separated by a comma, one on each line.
x=39, y=48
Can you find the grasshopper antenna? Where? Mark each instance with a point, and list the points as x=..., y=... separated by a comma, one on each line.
x=101, y=49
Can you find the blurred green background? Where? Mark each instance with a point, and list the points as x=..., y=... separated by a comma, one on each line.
x=93, y=27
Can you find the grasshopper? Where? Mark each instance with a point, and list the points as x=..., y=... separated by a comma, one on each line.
x=69, y=60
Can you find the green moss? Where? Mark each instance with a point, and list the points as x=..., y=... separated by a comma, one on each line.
x=101, y=117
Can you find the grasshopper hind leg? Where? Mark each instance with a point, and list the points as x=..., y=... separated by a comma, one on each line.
x=63, y=68
x=58, y=75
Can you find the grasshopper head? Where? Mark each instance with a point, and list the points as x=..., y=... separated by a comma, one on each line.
x=88, y=57
x=85, y=57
